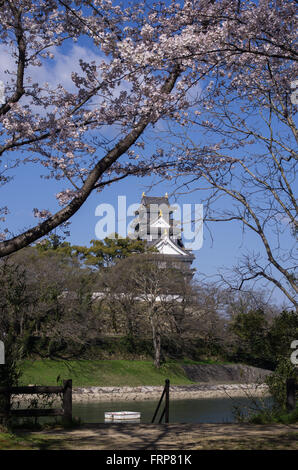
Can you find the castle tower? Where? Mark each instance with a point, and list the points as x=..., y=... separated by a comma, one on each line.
x=154, y=223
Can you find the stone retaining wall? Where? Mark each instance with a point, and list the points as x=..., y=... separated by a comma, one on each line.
x=95, y=394
x=85, y=394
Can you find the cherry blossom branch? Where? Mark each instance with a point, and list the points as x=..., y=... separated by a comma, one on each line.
x=33, y=234
x=19, y=92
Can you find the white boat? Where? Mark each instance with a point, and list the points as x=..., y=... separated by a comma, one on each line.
x=122, y=415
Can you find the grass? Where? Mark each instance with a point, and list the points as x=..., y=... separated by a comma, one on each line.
x=10, y=441
x=101, y=373
x=22, y=440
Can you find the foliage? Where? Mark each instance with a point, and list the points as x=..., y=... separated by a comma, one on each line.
x=13, y=301
x=47, y=301
x=273, y=409
x=277, y=382
x=276, y=416
x=283, y=330
x=265, y=413
x=100, y=253
x=250, y=330
x=108, y=251
x=260, y=339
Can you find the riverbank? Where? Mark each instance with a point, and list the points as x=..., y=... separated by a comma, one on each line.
x=94, y=394
x=102, y=373
x=140, y=380
x=143, y=393
x=123, y=373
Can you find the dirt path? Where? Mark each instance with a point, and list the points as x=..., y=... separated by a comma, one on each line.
x=172, y=436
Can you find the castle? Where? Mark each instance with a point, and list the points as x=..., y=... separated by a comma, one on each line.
x=154, y=223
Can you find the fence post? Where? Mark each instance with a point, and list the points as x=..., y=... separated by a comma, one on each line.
x=167, y=404
x=291, y=389
x=67, y=401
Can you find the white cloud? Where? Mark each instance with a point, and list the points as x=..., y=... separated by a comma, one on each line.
x=57, y=70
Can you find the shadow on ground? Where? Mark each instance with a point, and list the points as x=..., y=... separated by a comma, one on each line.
x=169, y=437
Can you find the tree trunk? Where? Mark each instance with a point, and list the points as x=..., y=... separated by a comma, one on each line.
x=156, y=344
x=157, y=351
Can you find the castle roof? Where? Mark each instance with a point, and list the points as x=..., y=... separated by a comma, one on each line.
x=147, y=200
x=170, y=246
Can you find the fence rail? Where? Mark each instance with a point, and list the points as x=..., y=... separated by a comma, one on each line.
x=65, y=411
x=166, y=410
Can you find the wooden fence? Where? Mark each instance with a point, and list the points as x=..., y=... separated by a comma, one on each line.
x=65, y=411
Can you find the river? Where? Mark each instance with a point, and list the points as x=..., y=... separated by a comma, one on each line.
x=206, y=410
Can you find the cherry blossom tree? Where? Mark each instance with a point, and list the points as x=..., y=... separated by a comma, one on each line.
x=238, y=149
x=149, y=58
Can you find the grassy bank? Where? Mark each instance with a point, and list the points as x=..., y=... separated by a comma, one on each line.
x=9, y=441
x=101, y=373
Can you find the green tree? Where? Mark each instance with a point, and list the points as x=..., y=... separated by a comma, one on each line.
x=283, y=331
x=251, y=341
x=13, y=302
x=46, y=301
x=107, y=252
x=55, y=243
x=100, y=253
x=277, y=382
